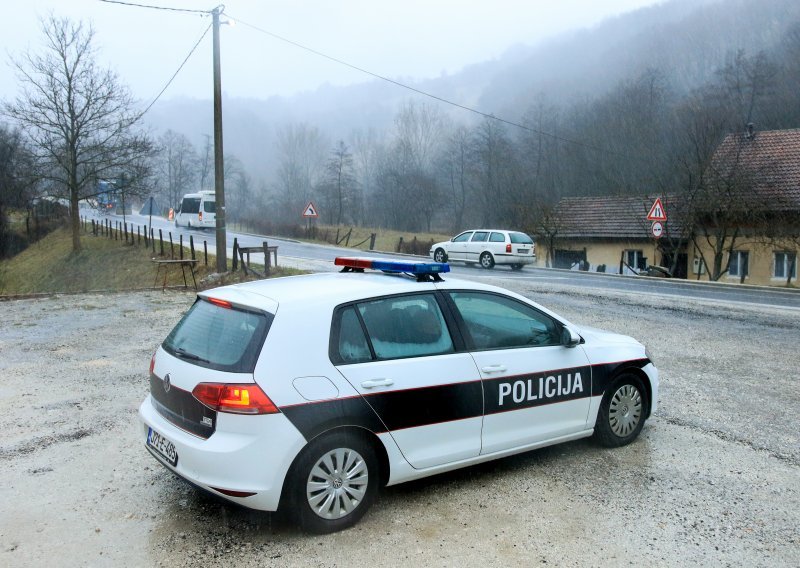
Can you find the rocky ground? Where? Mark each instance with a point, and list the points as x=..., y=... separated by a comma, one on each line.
x=714, y=478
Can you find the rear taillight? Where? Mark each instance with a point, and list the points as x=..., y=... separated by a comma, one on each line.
x=152, y=363
x=234, y=398
x=200, y=216
x=508, y=247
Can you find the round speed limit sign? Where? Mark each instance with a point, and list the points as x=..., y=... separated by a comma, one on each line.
x=657, y=229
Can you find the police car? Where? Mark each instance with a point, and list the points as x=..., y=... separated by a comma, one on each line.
x=309, y=392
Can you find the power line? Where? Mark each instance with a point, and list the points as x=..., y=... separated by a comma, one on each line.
x=425, y=93
x=166, y=8
x=191, y=51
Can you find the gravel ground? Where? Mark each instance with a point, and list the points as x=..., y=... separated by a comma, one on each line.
x=713, y=479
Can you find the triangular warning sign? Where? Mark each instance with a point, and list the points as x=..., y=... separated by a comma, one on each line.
x=310, y=210
x=657, y=212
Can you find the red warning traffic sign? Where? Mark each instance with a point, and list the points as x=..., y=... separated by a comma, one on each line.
x=657, y=212
x=310, y=210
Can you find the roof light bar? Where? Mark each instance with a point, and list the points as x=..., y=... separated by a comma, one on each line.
x=407, y=266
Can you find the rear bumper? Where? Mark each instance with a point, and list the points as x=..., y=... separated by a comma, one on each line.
x=513, y=259
x=249, y=454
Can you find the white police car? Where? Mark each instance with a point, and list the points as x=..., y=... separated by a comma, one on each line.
x=308, y=392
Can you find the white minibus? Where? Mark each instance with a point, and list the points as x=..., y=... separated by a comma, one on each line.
x=197, y=210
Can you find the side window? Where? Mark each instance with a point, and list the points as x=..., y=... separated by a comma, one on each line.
x=498, y=322
x=497, y=238
x=463, y=237
x=209, y=206
x=406, y=326
x=351, y=346
x=480, y=236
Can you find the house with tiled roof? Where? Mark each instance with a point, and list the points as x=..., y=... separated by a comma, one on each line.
x=743, y=224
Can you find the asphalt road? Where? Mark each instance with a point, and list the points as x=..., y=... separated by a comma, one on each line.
x=757, y=295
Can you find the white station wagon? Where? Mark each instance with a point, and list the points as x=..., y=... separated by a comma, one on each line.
x=487, y=247
x=309, y=392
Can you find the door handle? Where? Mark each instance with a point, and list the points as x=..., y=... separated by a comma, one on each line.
x=494, y=369
x=372, y=383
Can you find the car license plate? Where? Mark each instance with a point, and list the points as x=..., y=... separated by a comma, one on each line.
x=523, y=251
x=162, y=446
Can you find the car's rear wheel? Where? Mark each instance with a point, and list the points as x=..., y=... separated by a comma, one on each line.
x=487, y=260
x=516, y=267
x=439, y=255
x=333, y=482
x=622, y=412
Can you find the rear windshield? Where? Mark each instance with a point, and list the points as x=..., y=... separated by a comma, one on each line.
x=190, y=205
x=224, y=339
x=520, y=239
x=209, y=206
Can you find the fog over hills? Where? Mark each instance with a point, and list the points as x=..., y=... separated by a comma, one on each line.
x=686, y=40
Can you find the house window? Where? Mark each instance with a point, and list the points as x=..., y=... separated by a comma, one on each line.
x=738, y=266
x=635, y=259
x=784, y=263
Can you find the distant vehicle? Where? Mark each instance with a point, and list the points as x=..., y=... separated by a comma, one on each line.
x=487, y=247
x=107, y=197
x=197, y=210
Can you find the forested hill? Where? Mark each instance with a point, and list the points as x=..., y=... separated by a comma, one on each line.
x=623, y=94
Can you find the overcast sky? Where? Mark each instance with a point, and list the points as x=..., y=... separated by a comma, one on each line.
x=397, y=38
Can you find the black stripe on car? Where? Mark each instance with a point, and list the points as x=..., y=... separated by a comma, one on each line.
x=426, y=406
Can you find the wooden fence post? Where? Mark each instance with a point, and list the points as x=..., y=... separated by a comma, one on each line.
x=171, y=248
x=191, y=246
x=161, y=241
x=400, y=245
x=372, y=241
x=205, y=252
x=181, y=247
x=235, y=255
x=266, y=259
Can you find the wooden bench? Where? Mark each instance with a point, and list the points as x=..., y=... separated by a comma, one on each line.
x=182, y=262
x=268, y=252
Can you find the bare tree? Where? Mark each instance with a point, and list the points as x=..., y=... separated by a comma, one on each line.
x=301, y=148
x=205, y=162
x=78, y=118
x=338, y=185
x=456, y=172
x=176, y=162
x=16, y=183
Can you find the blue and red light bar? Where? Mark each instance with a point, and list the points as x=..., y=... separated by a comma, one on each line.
x=407, y=266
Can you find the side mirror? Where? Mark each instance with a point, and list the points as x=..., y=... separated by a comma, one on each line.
x=569, y=338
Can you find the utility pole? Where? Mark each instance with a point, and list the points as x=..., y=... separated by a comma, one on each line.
x=219, y=164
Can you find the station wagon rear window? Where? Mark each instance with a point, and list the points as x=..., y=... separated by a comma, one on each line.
x=221, y=338
x=520, y=239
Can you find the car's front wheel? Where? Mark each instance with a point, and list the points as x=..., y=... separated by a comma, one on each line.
x=333, y=482
x=622, y=412
x=439, y=255
x=487, y=260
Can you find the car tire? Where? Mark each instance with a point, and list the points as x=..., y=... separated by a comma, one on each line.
x=324, y=498
x=487, y=260
x=516, y=267
x=622, y=412
x=439, y=255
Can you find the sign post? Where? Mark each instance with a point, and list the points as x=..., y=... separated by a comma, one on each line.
x=310, y=212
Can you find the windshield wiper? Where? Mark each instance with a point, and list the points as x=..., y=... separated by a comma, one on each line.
x=183, y=354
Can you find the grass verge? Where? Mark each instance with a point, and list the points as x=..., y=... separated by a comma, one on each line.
x=50, y=266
